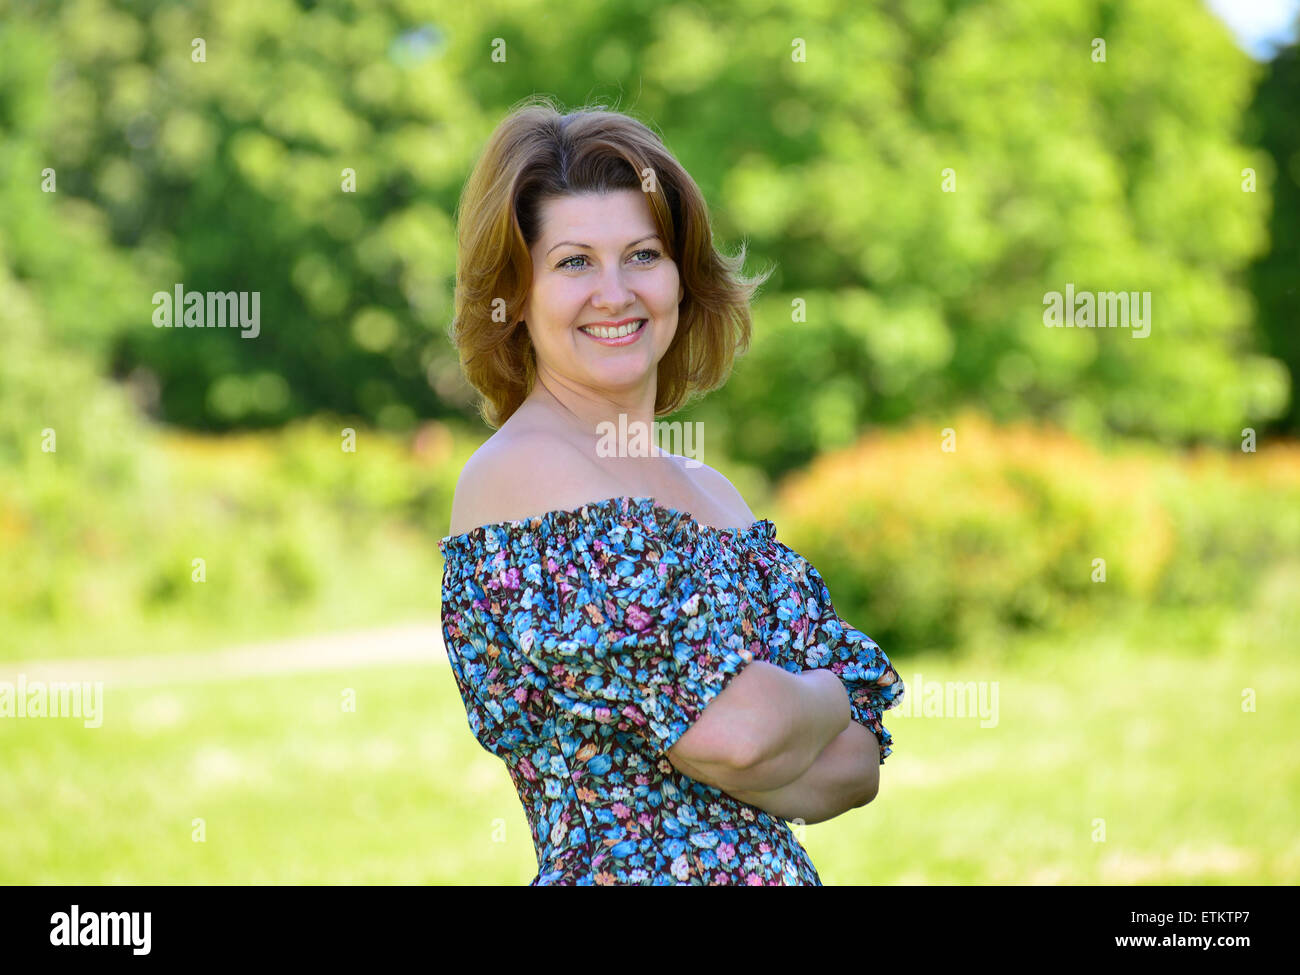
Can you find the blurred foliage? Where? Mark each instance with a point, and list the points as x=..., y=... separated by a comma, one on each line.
x=227, y=174
x=1000, y=534
x=101, y=514
x=290, y=528
x=1275, y=118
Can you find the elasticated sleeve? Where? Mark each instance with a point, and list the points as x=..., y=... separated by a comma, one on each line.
x=620, y=627
x=826, y=641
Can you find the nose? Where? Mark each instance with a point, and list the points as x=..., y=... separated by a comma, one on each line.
x=611, y=291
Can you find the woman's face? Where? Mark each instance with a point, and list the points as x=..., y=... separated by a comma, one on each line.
x=599, y=259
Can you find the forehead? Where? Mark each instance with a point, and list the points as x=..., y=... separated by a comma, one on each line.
x=596, y=216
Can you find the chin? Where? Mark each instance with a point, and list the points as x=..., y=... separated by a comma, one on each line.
x=622, y=378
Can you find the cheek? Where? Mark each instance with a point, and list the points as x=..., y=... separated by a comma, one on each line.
x=665, y=291
x=548, y=305
x=564, y=301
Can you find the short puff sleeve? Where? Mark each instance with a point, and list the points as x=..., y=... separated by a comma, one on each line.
x=830, y=643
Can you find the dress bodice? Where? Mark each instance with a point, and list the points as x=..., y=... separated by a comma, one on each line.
x=585, y=642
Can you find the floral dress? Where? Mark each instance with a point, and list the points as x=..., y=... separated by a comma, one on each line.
x=585, y=642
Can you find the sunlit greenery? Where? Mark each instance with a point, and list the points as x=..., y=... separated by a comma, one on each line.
x=920, y=176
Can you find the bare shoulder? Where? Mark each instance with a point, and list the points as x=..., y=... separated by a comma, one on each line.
x=514, y=476
x=716, y=485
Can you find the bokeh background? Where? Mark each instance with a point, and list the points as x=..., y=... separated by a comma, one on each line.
x=920, y=175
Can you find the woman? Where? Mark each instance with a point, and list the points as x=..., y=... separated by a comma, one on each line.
x=667, y=684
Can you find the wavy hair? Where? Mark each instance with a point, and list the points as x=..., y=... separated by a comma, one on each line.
x=536, y=154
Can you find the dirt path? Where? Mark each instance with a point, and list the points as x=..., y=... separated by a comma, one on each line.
x=410, y=643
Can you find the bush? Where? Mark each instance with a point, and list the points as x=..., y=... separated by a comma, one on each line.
x=927, y=548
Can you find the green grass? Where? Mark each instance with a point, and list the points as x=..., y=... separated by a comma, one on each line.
x=1147, y=736
x=291, y=787
x=1144, y=732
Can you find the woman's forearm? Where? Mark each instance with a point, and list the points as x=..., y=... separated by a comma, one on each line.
x=796, y=728
x=844, y=776
x=772, y=728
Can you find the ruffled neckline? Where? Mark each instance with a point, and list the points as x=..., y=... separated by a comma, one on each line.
x=672, y=521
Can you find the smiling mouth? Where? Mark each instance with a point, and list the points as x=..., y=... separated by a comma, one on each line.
x=609, y=332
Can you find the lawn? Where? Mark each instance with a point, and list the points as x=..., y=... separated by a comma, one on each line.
x=1138, y=730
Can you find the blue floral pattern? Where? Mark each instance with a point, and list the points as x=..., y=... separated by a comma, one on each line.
x=585, y=642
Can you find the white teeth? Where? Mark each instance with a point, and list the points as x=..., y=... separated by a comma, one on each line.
x=613, y=333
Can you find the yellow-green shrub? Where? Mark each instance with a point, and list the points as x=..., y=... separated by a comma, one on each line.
x=923, y=547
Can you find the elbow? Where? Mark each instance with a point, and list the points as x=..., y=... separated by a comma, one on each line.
x=870, y=786
x=759, y=762
x=738, y=765
x=733, y=747
x=717, y=756
x=748, y=752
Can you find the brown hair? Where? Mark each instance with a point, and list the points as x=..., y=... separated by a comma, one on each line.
x=537, y=154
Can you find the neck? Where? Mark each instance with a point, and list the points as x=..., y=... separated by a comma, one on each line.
x=590, y=415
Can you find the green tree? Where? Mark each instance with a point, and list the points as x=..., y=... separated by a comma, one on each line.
x=1115, y=174
x=922, y=175
x=1275, y=277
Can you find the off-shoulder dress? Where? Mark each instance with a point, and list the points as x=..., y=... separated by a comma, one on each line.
x=585, y=642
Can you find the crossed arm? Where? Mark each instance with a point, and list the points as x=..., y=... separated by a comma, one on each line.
x=844, y=776
x=784, y=743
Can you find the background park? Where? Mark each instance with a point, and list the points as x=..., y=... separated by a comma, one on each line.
x=1101, y=528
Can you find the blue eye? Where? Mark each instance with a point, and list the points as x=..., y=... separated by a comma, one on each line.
x=654, y=256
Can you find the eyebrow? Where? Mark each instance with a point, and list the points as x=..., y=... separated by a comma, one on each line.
x=589, y=247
